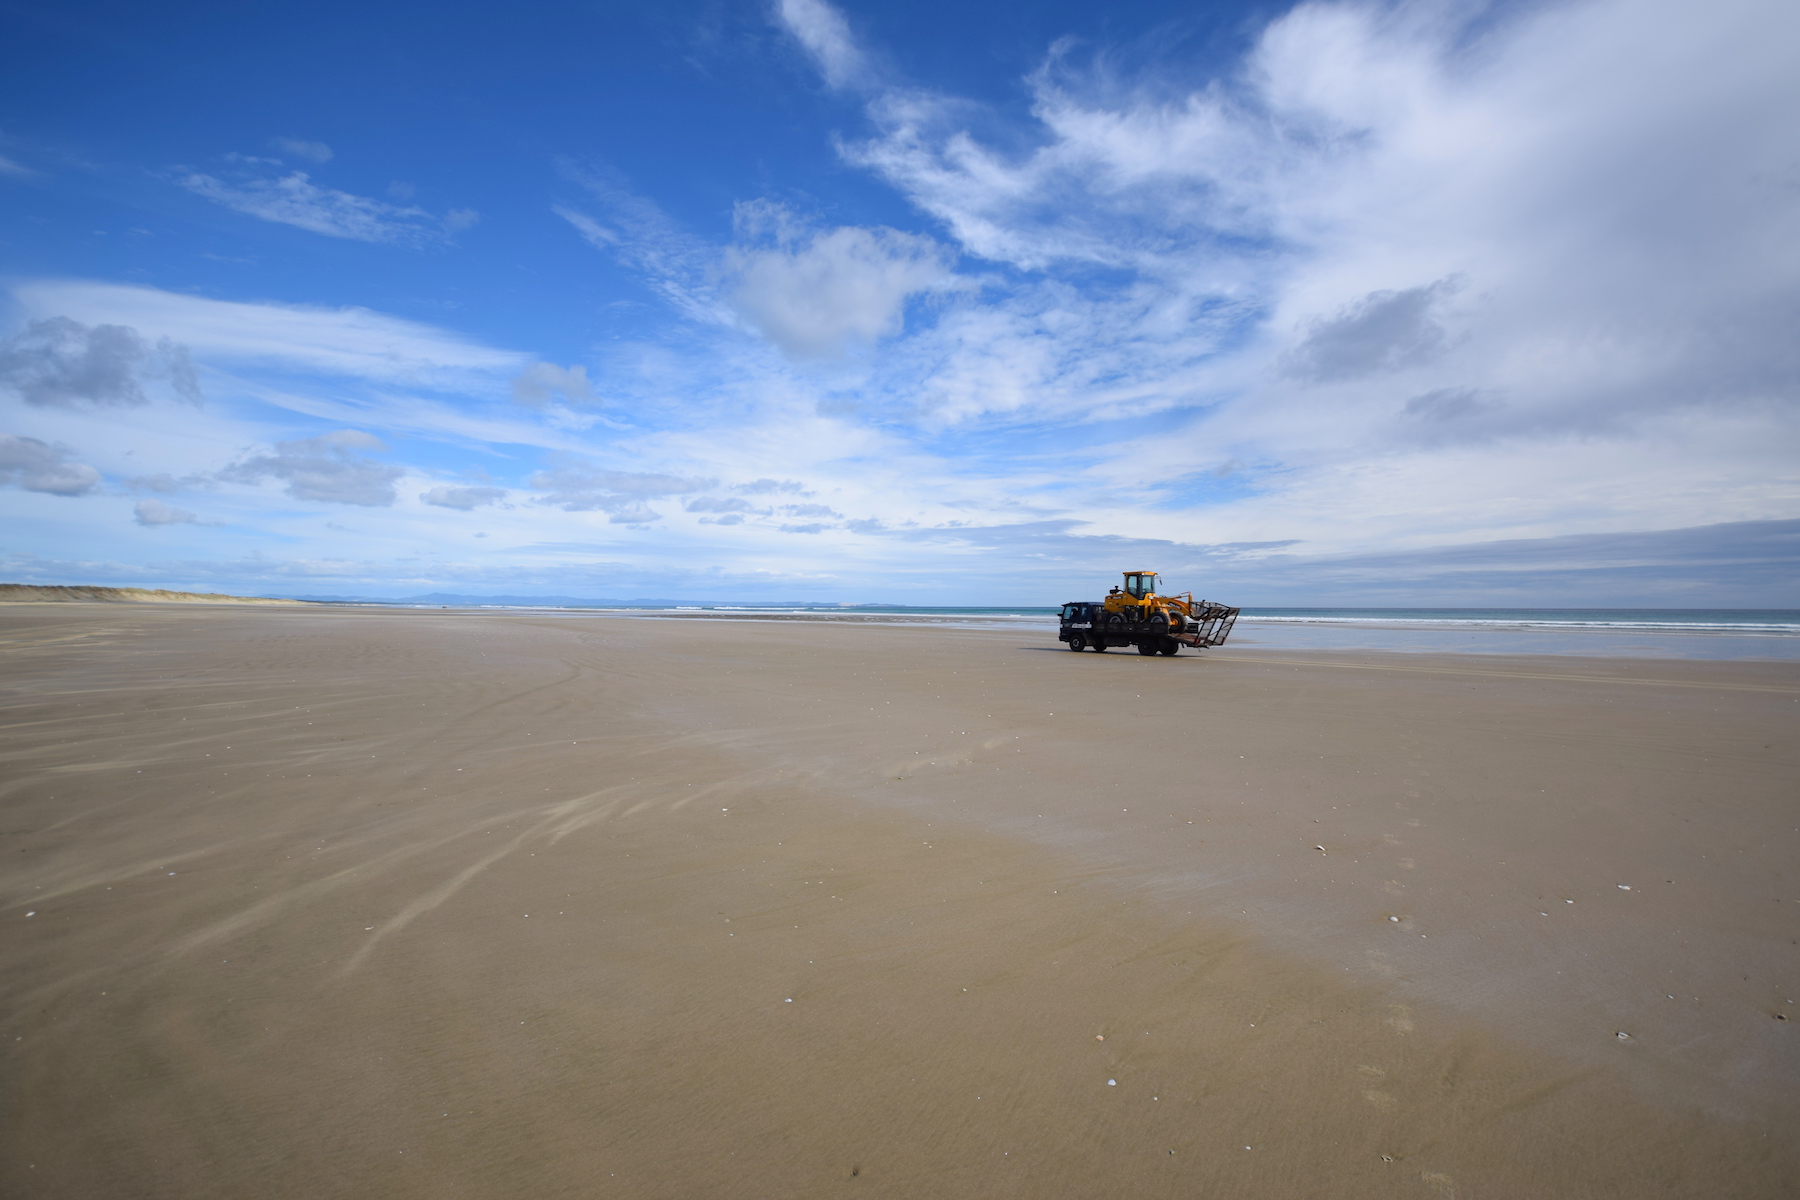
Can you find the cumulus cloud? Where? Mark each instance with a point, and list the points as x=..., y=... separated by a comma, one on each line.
x=294, y=199
x=576, y=485
x=464, y=498
x=816, y=296
x=1507, y=254
x=61, y=363
x=717, y=504
x=313, y=152
x=538, y=383
x=324, y=468
x=38, y=466
x=769, y=487
x=155, y=512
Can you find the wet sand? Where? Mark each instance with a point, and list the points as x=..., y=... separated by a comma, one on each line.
x=353, y=902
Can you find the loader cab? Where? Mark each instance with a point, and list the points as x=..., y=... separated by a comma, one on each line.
x=1139, y=584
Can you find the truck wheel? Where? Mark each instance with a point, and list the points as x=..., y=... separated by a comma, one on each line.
x=1077, y=642
x=1171, y=647
x=1146, y=648
x=1100, y=642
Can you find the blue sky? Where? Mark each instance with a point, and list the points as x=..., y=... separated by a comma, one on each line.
x=1334, y=303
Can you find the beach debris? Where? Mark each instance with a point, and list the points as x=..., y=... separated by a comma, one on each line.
x=1622, y=1036
x=1624, y=887
x=1396, y=919
x=32, y=913
x=1098, y=1037
x=1320, y=849
x=1112, y=1083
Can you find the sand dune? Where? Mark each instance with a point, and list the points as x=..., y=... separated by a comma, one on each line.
x=354, y=902
x=32, y=593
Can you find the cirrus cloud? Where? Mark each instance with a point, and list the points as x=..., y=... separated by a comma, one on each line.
x=294, y=199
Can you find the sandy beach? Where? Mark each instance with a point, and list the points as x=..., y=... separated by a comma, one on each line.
x=349, y=902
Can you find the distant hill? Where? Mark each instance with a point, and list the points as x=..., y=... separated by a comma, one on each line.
x=31, y=593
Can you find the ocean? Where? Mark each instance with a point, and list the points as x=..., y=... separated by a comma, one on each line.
x=1704, y=633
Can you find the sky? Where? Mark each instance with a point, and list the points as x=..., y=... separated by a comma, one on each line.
x=1435, y=303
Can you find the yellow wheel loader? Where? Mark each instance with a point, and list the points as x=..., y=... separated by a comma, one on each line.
x=1137, y=615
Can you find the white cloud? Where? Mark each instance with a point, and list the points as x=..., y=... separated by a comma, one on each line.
x=633, y=514
x=313, y=152
x=38, y=466
x=294, y=199
x=717, y=504
x=769, y=487
x=60, y=362
x=323, y=468
x=1547, y=239
x=338, y=341
x=817, y=296
x=677, y=265
x=155, y=512
x=538, y=383
x=464, y=498
x=1381, y=333
x=574, y=484
x=822, y=30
